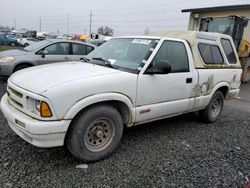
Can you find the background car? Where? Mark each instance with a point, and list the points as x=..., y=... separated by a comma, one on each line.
x=4, y=39
x=43, y=52
x=27, y=41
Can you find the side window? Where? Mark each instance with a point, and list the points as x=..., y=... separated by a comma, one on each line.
x=175, y=53
x=210, y=53
x=78, y=49
x=89, y=49
x=228, y=49
x=61, y=48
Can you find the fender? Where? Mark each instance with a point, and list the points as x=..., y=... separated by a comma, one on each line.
x=22, y=62
x=217, y=86
x=83, y=103
x=202, y=101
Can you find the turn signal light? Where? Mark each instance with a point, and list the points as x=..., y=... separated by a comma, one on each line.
x=45, y=110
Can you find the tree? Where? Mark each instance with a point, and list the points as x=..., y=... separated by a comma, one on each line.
x=107, y=31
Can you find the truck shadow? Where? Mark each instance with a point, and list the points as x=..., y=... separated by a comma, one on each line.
x=138, y=134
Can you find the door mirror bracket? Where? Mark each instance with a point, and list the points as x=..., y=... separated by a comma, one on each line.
x=160, y=67
x=43, y=53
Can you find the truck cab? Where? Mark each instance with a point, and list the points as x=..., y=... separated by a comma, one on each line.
x=127, y=81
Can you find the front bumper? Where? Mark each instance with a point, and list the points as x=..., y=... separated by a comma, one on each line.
x=5, y=70
x=36, y=132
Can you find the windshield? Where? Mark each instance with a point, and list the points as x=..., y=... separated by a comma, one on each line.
x=126, y=53
x=220, y=25
x=37, y=45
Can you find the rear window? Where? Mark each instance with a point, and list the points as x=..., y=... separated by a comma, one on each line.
x=227, y=47
x=78, y=49
x=210, y=53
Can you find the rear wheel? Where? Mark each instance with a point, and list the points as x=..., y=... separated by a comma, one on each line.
x=26, y=44
x=212, y=112
x=95, y=134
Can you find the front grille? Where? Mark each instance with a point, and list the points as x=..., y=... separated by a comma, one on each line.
x=15, y=97
x=16, y=92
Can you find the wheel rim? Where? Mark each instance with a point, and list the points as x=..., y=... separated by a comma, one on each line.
x=99, y=135
x=215, y=107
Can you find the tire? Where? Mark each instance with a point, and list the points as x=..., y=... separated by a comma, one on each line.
x=212, y=112
x=26, y=44
x=95, y=134
x=19, y=67
x=12, y=44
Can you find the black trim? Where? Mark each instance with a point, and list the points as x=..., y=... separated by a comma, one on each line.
x=189, y=80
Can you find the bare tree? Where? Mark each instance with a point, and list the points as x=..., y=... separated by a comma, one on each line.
x=107, y=31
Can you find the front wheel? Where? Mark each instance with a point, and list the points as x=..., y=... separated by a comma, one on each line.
x=12, y=44
x=212, y=112
x=20, y=67
x=95, y=134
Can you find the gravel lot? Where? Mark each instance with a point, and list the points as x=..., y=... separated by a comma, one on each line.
x=176, y=152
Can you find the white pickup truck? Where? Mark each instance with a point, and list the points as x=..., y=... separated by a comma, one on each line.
x=125, y=82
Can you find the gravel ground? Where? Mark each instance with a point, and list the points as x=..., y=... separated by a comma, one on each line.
x=176, y=152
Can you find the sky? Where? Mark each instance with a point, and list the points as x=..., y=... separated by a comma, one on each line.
x=127, y=17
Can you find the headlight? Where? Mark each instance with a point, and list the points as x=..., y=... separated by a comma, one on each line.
x=37, y=105
x=7, y=59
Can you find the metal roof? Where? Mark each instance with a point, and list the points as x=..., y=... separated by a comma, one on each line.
x=218, y=8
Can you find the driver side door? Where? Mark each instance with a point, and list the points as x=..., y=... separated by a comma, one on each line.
x=162, y=95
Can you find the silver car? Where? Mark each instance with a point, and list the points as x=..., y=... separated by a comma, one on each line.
x=43, y=52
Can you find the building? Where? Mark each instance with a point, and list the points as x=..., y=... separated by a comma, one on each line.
x=232, y=20
x=197, y=14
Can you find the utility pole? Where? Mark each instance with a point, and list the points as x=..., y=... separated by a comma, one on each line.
x=67, y=24
x=40, y=24
x=90, y=22
x=15, y=24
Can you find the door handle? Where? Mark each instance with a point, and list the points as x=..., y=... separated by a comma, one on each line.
x=66, y=58
x=189, y=80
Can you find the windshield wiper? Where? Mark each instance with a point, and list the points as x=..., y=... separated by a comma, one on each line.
x=84, y=59
x=105, y=61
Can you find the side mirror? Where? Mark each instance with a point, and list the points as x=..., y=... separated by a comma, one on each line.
x=160, y=67
x=43, y=53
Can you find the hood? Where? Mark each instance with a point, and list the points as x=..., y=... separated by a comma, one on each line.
x=12, y=53
x=40, y=78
